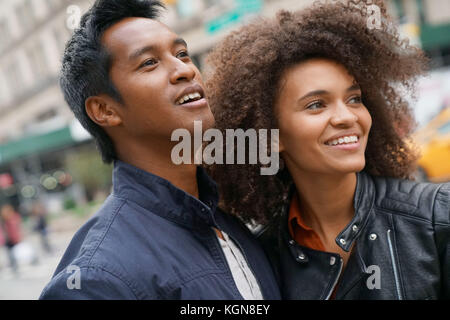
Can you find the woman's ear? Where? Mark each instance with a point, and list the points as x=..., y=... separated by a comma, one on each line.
x=280, y=146
x=102, y=111
x=277, y=144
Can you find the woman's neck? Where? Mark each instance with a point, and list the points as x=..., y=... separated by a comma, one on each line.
x=326, y=201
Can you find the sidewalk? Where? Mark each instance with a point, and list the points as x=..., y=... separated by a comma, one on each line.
x=31, y=279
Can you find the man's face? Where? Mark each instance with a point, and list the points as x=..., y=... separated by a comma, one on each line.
x=153, y=72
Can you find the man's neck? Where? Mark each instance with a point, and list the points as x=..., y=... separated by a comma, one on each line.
x=159, y=163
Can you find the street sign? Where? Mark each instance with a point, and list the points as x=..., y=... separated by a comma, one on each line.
x=239, y=11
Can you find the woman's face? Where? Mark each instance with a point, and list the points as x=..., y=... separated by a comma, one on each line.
x=323, y=123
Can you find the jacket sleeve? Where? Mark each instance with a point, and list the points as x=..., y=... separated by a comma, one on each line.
x=87, y=283
x=442, y=234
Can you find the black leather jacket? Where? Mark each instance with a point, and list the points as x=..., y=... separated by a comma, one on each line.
x=401, y=237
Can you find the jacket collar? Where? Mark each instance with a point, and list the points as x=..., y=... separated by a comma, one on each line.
x=159, y=196
x=362, y=202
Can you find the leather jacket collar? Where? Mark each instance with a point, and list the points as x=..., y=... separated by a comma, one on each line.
x=363, y=203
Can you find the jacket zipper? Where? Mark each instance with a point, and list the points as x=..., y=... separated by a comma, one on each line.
x=394, y=265
x=335, y=280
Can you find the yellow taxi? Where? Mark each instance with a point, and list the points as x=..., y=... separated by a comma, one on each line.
x=434, y=143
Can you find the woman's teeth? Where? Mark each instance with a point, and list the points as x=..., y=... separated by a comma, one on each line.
x=342, y=140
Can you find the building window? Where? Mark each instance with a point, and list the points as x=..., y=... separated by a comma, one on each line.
x=37, y=60
x=62, y=36
x=53, y=5
x=437, y=11
x=25, y=15
x=5, y=34
x=46, y=115
x=14, y=77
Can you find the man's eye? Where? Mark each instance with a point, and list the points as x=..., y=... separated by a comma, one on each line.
x=315, y=105
x=149, y=62
x=182, y=54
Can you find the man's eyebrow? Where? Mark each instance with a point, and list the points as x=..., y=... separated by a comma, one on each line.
x=135, y=54
x=180, y=41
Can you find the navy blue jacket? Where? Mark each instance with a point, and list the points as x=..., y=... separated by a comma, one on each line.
x=151, y=240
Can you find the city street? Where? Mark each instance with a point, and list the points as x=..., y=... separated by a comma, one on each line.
x=28, y=283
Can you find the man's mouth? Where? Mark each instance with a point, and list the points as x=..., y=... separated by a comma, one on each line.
x=191, y=97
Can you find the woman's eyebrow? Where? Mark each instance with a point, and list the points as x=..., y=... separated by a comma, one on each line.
x=354, y=87
x=313, y=93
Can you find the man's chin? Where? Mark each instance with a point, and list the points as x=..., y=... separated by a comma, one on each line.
x=208, y=123
x=205, y=121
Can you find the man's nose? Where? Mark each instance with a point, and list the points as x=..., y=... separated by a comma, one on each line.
x=181, y=71
x=343, y=115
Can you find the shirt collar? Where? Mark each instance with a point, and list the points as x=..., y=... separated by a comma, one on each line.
x=362, y=202
x=295, y=216
x=161, y=197
x=299, y=231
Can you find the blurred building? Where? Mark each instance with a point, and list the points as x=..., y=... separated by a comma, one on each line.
x=37, y=129
x=428, y=22
x=35, y=123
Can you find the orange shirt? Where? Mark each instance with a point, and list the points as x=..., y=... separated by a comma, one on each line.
x=302, y=234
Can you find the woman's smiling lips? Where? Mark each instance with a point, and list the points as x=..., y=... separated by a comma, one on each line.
x=348, y=146
x=344, y=142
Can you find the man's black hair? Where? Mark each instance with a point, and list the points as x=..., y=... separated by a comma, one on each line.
x=86, y=63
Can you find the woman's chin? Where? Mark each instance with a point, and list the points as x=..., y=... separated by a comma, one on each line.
x=354, y=167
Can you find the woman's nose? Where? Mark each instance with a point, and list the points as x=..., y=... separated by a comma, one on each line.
x=343, y=115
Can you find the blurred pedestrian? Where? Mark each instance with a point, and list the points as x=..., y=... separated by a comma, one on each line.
x=39, y=213
x=12, y=224
x=2, y=237
x=2, y=240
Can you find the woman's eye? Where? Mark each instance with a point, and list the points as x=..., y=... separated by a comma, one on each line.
x=356, y=99
x=315, y=105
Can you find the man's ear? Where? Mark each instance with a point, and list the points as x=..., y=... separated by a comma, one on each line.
x=103, y=111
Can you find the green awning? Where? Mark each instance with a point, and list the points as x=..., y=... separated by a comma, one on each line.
x=35, y=144
x=435, y=36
